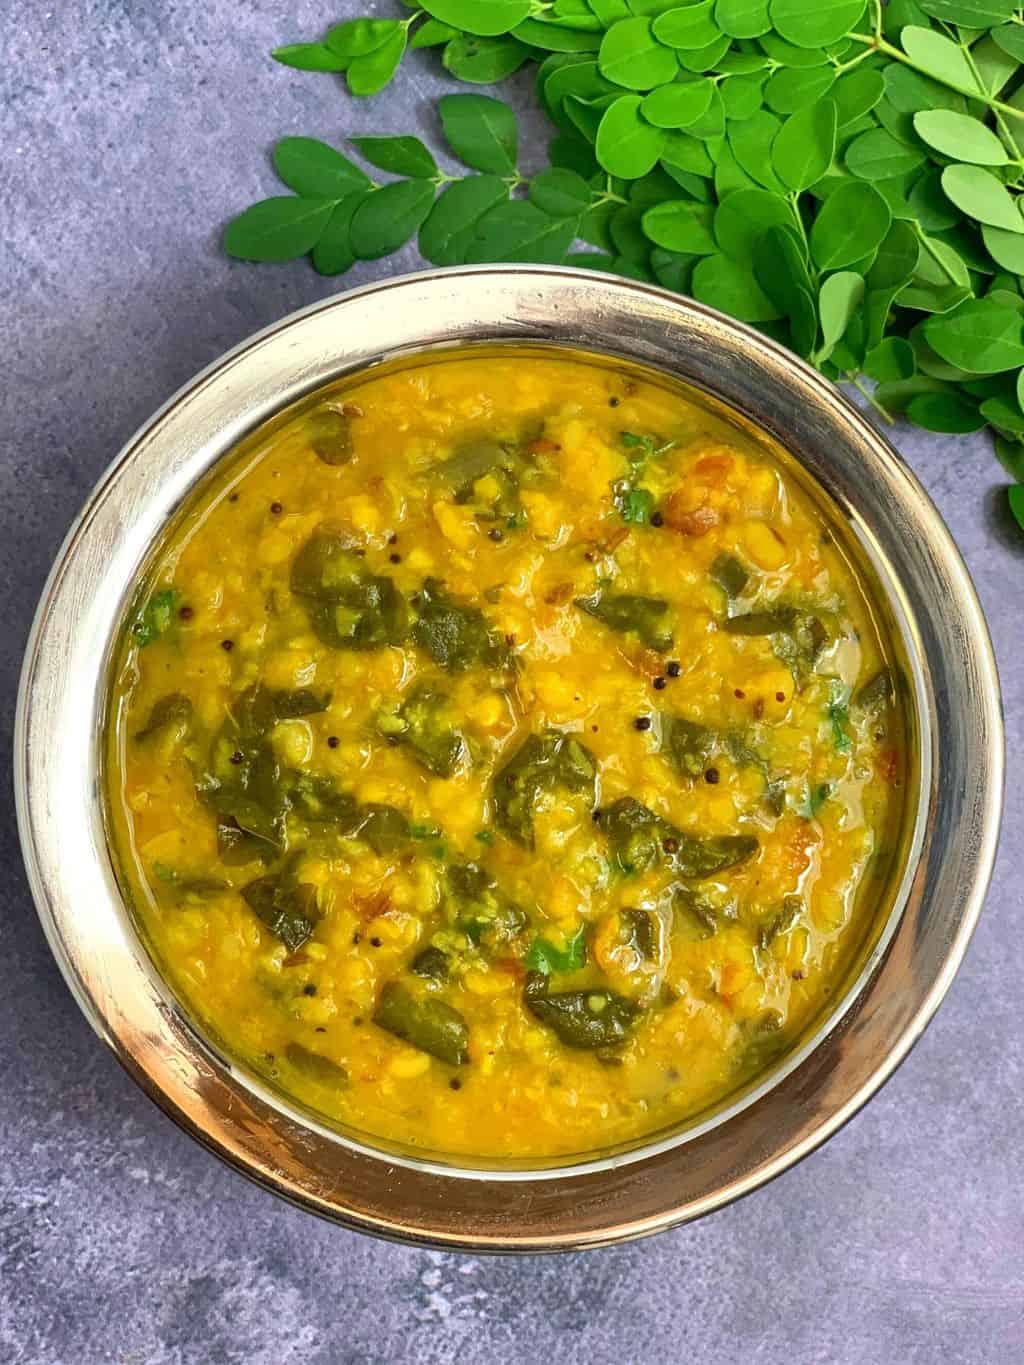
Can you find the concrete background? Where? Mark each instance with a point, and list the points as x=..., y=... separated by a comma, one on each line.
x=131, y=129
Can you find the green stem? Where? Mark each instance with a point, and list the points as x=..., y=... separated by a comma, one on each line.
x=884, y=46
x=1001, y=123
x=866, y=393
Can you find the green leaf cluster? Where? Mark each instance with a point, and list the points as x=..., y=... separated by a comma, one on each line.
x=845, y=176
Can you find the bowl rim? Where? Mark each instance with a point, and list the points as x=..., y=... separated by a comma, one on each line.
x=131, y=1007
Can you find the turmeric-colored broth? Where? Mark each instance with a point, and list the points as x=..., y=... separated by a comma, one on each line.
x=503, y=756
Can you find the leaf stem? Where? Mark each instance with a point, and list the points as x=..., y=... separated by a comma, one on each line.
x=884, y=413
x=884, y=46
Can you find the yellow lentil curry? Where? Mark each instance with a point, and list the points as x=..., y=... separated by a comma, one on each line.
x=503, y=756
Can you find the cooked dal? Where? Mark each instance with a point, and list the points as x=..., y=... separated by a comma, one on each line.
x=503, y=757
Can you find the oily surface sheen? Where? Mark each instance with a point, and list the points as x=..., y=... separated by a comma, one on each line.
x=503, y=757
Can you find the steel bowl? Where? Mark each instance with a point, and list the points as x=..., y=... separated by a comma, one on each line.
x=953, y=808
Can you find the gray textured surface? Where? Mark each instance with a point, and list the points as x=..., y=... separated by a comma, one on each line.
x=130, y=130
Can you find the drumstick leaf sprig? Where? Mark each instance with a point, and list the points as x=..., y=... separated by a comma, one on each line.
x=844, y=176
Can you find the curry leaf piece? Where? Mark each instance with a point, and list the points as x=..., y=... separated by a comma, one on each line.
x=316, y=170
x=630, y=55
x=980, y=195
x=683, y=226
x=277, y=229
x=959, y=136
x=743, y=217
x=733, y=288
x=838, y=302
x=803, y=149
x=627, y=145
x=981, y=336
x=690, y=26
x=481, y=132
x=487, y=18
x=677, y=105
x=399, y=155
x=310, y=57
x=388, y=217
x=815, y=25
x=852, y=223
x=743, y=18
x=520, y=231
x=367, y=75
x=939, y=57
x=450, y=228
x=483, y=61
x=333, y=253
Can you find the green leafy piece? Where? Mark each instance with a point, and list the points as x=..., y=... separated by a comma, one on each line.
x=1010, y=37
x=587, y=1019
x=857, y=93
x=639, y=839
x=432, y=34
x=173, y=711
x=487, y=18
x=155, y=618
x=310, y=57
x=939, y=57
x=941, y=280
x=481, y=132
x=626, y=144
x=751, y=142
x=551, y=37
x=683, y=226
x=970, y=13
x=349, y=608
x=478, y=908
x=560, y=193
x=742, y=219
x=877, y=155
x=484, y=61
x=701, y=59
x=948, y=413
x=794, y=88
x=981, y=336
x=959, y=136
x=542, y=764
x=581, y=78
x=278, y=229
x=729, y=574
x=425, y=1022
x=694, y=912
x=815, y=25
x=423, y=724
x=677, y=105
x=519, y=231
x=838, y=712
x=449, y=231
x=545, y=957
x=315, y=1067
x=288, y=909
x=1015, y=497
x=891, y=360
x=687, y=744
x=852, y=222
x=1005, y=248
x=839, y=302
x=908, y=91
x=369, y=74
x=787, y=54
x=980, y=195
x=802, y=152
x=333, y=253
x=647, y=618
x=399, y=155
x=781, y=922
x=742, y=18
x=455, y=635
x=361, y=37
x=690, y=26
x=630, y=55
x=432, y=963
x=741, y=97
x=731, y=286
x=387, y=218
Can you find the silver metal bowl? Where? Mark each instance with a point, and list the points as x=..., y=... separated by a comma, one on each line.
x=952, y=812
